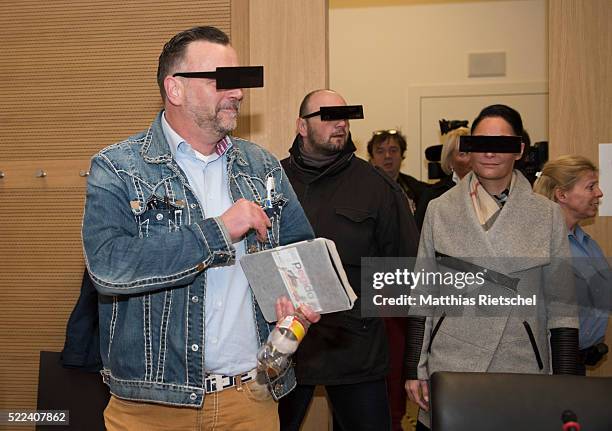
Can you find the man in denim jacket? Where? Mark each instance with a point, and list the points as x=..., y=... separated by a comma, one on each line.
x=168, y=214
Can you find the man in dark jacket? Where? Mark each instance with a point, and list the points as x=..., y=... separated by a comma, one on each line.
x=387, y=149
x=366, y=214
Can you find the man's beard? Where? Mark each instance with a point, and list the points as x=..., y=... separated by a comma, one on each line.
x=325, y=146
x=222, y=122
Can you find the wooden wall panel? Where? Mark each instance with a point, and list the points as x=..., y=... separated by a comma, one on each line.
x=40, y=273
x=82, y=74
x=290, y=39
x=580, y=88
x=240, y=42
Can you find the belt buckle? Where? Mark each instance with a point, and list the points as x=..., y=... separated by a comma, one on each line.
x=227, y=382
x=214, y=383
x=218, y=382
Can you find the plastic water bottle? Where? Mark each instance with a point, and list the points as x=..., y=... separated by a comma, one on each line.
x=283, y=341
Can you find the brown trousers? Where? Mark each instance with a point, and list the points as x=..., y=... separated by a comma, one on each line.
x=235, y=409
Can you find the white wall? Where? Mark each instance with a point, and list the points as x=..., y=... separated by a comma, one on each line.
x=378, y=53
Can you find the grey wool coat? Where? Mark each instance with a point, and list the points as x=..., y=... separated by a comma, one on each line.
x=527, y=245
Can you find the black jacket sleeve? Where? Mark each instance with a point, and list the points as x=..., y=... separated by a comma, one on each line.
x=564, y=350
x=415, y=329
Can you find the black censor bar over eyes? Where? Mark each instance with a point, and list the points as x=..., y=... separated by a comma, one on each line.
x=231, y=77
x=333, y=113
x=490, y=144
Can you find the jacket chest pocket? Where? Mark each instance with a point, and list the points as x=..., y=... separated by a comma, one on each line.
x=354, y=233
x=160, y=209
x=160, y=218
x=253, y=188
x=274, y=214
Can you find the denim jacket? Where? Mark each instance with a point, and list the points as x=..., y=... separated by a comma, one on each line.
x=148, y=245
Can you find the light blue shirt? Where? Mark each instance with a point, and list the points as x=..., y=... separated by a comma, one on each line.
x=231, y=336
x=593, y=287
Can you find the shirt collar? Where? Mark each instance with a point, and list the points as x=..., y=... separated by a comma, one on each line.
x=175, y=141
x=578, y=234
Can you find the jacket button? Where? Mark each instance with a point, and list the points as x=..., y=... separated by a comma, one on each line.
x=159, y=216
x=252, y=249
x=193, y=397
x=200, y=266
x=278, y=387
x=195, y=347
x=194, y=299
x=193, y=206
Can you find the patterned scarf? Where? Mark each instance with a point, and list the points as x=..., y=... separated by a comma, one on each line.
x=487, y=207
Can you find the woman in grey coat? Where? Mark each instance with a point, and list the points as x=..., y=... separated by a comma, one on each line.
x=492, y=224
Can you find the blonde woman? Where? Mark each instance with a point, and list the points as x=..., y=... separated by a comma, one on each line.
x=573, y=182
x=455, y=164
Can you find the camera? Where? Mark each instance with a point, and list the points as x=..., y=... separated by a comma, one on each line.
x=433, y=153
x=446, y=125
x=533, y=159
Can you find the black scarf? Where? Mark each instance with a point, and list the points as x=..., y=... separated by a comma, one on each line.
x=319, y=165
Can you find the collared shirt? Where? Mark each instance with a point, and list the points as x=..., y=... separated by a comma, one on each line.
x=231, y=337
x=456, y=178
x=593, y=286
x=502, y=198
